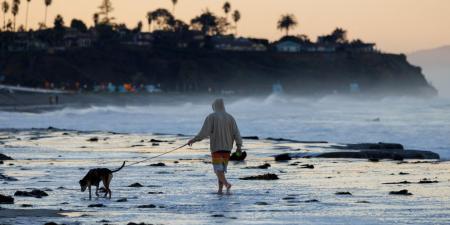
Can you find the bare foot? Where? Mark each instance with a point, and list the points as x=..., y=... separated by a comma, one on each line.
x=228, y=186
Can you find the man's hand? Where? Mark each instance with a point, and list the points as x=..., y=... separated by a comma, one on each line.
x=190, y=142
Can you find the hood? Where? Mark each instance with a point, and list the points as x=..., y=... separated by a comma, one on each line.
x=218, y=105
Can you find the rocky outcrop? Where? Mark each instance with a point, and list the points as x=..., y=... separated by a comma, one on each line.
x=382, y=154
x=6, y=199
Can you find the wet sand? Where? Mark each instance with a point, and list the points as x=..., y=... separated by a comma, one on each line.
x=181, y=190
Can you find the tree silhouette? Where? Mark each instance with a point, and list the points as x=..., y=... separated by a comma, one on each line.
x=59, y=22
x=174, y=3
x=210, y=24
x=26, y=14
x=226, y=8
x=149, y=21
x=47, y=4
x=5, y=9
x=96, y=18
x=15, y=11
x=163, y=19
x=287, y=22
x=78, y=25
x=339, y=35
x=105, y=9
x=236, y=17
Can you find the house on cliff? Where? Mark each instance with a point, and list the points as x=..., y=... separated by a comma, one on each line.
x=229, y=43
x=76, y=39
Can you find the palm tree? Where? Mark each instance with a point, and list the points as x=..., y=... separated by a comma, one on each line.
x=174, y=3
x=287, y=22
x=95, y=17
x=47, y=4
x=26, y=14
x=150, y=20
x=226, y=8
x=15, y=11
x=5, y=9
x=236, y=17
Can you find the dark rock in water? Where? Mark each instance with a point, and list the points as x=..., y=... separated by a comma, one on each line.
x=374, y=160
x=65, y=133
x=6, y=199
x=5, y=157
x=261, y=203
x=264, y=166
x=1, y=162
x=217, y=215
x=311, y=200
x=157, y=141
x=401, y=192
x=136, y=146
x=131, y=223
x=288, y=198
x=382, y=154
x=283, y=157
x=251, y=137
x=96, y=205
x=427, y=181
x=50, y=223
x=34, y=193
x=307, y=166
x=155, y=144
x=136, y=185
x=343, y=193
x=7, y=178
x=158, y=164
x=176, y=162
x=238, y=157
x=150, y=206
x=403, y=173
x=155, y=193
x=122, y=200
x=371, y=146
x=268, y=176
x=26, y=205
x=362, y=202
x=296, y=141
x=401, y=182
x=93, y=139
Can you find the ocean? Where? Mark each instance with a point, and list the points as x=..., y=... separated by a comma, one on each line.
x=422, y=124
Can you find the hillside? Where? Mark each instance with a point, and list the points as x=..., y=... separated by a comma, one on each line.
x=201, y=70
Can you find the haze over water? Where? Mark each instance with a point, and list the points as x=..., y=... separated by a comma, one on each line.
x=416, y=123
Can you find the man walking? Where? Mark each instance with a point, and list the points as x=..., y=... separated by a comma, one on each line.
x=222, y=130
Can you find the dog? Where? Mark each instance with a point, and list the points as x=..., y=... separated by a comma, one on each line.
x=93, y=178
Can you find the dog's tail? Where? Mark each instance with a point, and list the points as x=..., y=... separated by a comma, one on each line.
x=116, y=170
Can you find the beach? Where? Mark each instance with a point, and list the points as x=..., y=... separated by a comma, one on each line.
x=178, y=188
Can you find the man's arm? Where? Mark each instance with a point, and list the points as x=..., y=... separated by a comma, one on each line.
x=237, y=136
x=204, y=132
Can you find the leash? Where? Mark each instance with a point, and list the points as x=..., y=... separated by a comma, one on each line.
x=156, y=156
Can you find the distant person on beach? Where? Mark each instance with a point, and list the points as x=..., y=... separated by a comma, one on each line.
x=223, y=131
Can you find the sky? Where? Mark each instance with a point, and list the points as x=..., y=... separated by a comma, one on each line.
x=398, y=26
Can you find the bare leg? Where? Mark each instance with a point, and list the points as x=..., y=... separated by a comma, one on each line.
x=223, y=179
x=220, y=184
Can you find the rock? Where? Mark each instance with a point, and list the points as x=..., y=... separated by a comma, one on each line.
x=122, y=200
x=283, y=157
x=251, y=137
x=26, y=205
x=217, y=215
x=136, y=185
x=288, y=198
x=401, y=192
x=343, y=193
x=131, y=223
x=150, y=206
x=296, y=141
x=362, y=202
x=65, y=133
x=1, y=162
x=403, y=173
x=264, y=166
x=93, y=139
x=136, y=146
x=371, y=146
x=307, y=166
x=427, y=181
x=155, y=144
x=6, y=199
x=401, y=182
x=5, y=157
x=154, y=193
x=96, y=205
x=374, y=160
x=311, y=200
x=261, y=203
x=382, y=154
x=157, y=141
x=36, y=193
x=7, y=178
x=158, y=164
x=50, y=223
x=238, y=157
x=268, y=176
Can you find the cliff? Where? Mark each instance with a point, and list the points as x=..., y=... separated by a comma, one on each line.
x=199, y=70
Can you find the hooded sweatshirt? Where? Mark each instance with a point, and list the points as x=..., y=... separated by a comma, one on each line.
x=221, y=128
